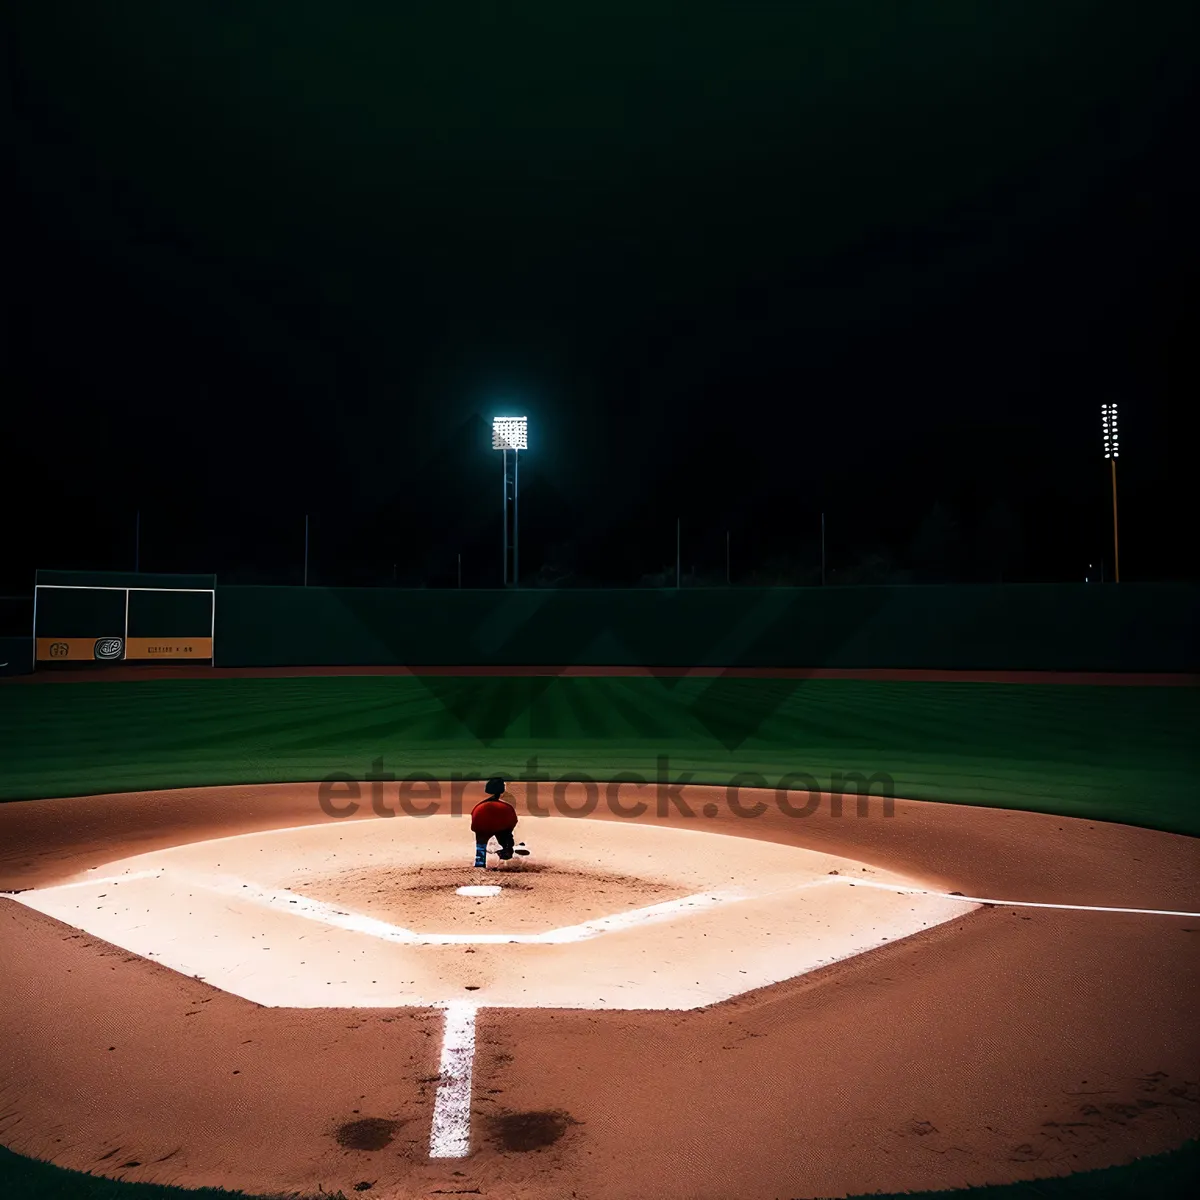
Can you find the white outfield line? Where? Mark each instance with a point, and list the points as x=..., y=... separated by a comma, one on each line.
x=450, y=1134
x=105, y=880
x=912, y=891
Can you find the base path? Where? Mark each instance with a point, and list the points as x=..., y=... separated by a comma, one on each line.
x=815, y=1006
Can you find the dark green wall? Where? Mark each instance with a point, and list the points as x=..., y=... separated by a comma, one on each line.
x=1066, y=627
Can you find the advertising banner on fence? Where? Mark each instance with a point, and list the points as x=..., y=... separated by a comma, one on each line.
x=80, y=649
x=146, y=648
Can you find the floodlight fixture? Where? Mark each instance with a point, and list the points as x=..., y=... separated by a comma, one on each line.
x=1108, y=424
x=510, y=433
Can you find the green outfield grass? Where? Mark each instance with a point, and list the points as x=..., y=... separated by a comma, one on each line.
x=1107, y=753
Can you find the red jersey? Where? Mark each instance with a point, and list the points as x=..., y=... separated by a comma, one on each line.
x=493, y=815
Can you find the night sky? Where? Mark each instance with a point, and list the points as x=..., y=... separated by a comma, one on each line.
x=739, y=263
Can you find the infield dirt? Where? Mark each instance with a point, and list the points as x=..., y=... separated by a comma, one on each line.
x=1009, y=1043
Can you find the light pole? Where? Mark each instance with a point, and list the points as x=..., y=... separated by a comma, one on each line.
x=1112, y=450
x=510, y=433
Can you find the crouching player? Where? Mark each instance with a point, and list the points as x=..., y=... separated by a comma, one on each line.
x=495, y=817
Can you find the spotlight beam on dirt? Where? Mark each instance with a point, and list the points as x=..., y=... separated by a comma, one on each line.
x=450, y=1135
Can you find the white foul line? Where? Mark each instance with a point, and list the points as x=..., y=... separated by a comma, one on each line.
x=912, y=891
x=103, y=880
x=639, y=916
x=450, y=1135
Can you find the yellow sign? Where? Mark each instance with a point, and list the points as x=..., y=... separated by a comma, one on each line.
x=143, y=648
x=77, y=649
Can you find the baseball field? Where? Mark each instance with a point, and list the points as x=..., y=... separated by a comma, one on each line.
x=777, y=936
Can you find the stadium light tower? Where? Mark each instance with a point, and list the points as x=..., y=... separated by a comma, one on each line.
x=510, y=433
x=1112, y=451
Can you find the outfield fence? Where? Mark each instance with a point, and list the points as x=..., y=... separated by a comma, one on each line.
x=1020, y=627
x=1128, y=627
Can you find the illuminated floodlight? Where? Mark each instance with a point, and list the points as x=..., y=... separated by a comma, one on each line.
x=1108, y=423
x=510, y=433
